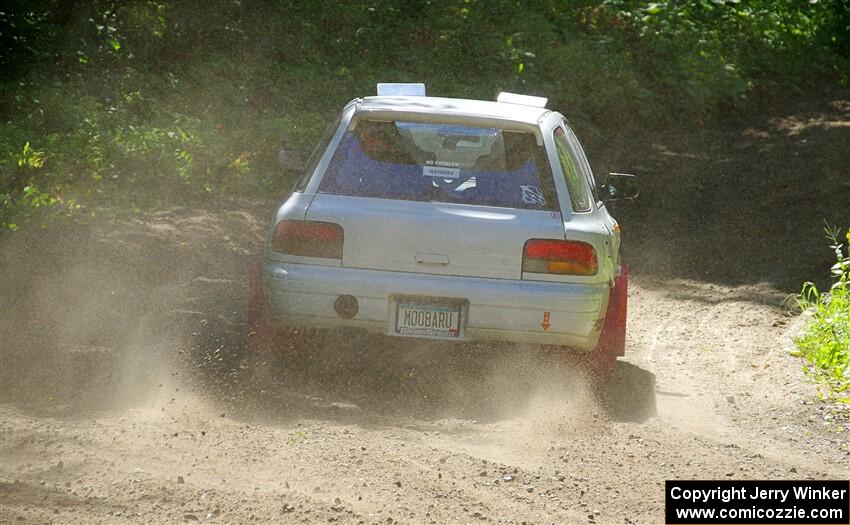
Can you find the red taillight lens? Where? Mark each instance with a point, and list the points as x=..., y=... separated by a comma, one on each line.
x=562, y=257
x=308, y=239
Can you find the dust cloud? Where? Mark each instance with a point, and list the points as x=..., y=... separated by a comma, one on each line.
x=123, y=397
x=103, y=317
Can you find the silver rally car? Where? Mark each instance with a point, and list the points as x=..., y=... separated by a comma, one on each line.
x=442, y=218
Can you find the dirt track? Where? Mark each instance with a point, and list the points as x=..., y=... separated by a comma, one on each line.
x=119, y=339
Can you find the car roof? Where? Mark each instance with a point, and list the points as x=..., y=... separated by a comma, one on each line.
x=455, y=107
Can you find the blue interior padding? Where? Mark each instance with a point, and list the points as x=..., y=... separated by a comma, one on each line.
x=352, y=172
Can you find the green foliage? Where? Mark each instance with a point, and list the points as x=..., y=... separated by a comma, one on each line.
x=24, y=167
x=141, y=103
x=710, y=54
x=825, y=343
x=296, y=438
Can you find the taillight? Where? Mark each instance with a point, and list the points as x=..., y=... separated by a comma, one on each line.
x=561, y=257
x=308, y=239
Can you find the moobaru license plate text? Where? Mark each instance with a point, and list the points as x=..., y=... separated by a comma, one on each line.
x=439, y=320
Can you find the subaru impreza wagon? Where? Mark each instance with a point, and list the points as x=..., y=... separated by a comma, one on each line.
x=449, y=219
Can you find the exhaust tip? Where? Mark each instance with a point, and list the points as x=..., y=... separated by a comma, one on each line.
x=346, y=306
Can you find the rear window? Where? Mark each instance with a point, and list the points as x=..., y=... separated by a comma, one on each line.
x=441, y=163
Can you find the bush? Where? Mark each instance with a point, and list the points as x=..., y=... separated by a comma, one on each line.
x=137, y=104
x=825, y=342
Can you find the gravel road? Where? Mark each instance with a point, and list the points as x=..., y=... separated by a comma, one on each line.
x=121, y=401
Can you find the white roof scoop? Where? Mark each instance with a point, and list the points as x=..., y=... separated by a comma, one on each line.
x=401, y=89
x=523, y=100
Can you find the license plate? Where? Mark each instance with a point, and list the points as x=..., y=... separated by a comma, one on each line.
x=428, y=319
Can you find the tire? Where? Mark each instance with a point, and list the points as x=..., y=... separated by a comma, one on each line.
x=270, y=352
x=597, y=366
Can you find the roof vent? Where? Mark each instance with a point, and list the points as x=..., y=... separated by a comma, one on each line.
x=524, y=100
x=401, y=89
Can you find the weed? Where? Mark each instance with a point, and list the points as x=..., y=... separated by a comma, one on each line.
x=825, y=342
x=296, y=438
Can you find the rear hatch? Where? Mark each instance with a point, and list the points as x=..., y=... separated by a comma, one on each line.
x=436, y=238
x=440, y=199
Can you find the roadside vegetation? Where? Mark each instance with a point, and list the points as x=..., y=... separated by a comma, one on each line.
x=825, y=341
x=117, y=106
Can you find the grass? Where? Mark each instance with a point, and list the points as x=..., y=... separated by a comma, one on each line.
x=825, y=342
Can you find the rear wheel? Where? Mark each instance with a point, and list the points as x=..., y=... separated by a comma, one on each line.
x=598, y=364
x=271, y=352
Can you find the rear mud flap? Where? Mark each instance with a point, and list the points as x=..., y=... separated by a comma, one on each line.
x=613, y=336
x=257, y=331
x=256, y=299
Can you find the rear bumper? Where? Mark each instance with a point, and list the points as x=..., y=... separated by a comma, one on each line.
x=498, y=309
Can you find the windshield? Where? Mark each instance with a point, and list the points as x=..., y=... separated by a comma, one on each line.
x=441, y=163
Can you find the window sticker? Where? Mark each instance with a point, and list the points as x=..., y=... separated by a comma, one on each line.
x=533, y=195
x=441, y=169
x=441, y=172
x=444, y=163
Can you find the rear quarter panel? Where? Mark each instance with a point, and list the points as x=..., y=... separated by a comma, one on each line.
x=589, y=226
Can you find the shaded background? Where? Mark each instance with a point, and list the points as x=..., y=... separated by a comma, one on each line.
x=132, y=105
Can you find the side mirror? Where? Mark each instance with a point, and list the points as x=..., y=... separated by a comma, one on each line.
x=292, y=160
x=620, y=187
